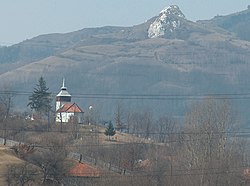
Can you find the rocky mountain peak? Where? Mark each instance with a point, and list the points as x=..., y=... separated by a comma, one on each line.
x=168, y=20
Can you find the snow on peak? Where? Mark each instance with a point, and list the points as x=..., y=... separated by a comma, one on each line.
x=167, y=21
x=172, y=10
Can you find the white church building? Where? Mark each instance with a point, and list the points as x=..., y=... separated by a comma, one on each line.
x=66, y=111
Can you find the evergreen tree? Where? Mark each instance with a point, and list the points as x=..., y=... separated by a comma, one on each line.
x=110, y=131
x=40, y=100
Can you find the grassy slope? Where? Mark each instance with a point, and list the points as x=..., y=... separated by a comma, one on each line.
x=7, y=157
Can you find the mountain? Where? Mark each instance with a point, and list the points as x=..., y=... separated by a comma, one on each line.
x=165, y=64
x=237, y=23
x=169, y=20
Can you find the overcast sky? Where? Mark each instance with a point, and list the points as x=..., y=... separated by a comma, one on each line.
x=24, y=19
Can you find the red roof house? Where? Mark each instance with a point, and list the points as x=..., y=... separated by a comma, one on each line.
x=84, y=170
x=70, y=108
x=68, y=112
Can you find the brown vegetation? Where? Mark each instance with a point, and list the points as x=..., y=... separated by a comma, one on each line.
x=205, y=150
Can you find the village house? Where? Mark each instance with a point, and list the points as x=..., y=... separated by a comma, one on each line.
x=66, y=111
x=84, y=170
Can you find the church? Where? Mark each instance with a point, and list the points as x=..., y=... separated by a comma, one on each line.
x=66, y=111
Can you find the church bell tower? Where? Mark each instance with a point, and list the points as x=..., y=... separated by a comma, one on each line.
x=62, y=97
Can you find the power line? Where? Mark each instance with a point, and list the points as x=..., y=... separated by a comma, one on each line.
x=130, y=133
x=224, y=96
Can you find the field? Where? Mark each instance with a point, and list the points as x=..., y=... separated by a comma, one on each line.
x=7, y=158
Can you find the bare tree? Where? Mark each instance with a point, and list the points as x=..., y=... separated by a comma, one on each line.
x=147, y=125
x=6, y=103
x=119, y=117
x=51, y=158
x=22, y=174
x=165, y=128
x=141, y=124
x=209, y=149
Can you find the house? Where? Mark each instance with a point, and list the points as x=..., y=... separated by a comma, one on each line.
x=66, y=111
x=84, y=170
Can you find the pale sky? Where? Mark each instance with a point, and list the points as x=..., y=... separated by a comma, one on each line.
x=24, y=19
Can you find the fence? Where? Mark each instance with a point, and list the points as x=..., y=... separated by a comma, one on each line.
x=108, y=166
x=9, y=143
x=78, y=157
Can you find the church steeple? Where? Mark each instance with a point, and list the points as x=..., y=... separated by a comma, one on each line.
x=63, y=96
x=63, y=85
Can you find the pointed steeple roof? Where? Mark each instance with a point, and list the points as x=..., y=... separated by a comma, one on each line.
x=63, y=85
x=63, y=91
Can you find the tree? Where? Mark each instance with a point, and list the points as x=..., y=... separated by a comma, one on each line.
x=21, y=174
x=110, y=131
x=40, y=100
x=51, y=159
x=5, y=106
x=119, y=117
x=6, y=101
x=165, y=127
x=210, y=144
x=140, y=124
